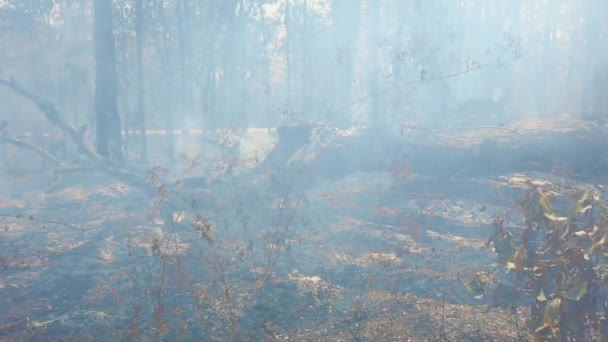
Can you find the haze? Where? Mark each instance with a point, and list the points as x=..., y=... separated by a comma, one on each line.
x=296, y=169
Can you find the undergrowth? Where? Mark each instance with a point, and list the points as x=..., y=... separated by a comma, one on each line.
x=552, y=258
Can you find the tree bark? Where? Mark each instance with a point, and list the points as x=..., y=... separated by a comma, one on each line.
x=376, y=105
x=346, y=16
x=377, y=150
x=108, y=135
x=168, y=80
x=141, y=96
x=287, y=23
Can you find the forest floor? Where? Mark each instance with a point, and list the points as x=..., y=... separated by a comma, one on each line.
x=366, y=258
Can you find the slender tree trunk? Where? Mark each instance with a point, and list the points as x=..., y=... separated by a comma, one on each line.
x=167, y=78
x=229, y=62
x=346, y=16
x=397, y=106
x=287, y=23
x=376, y=110
x=269, y=119
x=549, y=59
x=141, y=96
x=208, y=83
x=244, y=113
x=109, y=140
x=307, y=103
x=590, y=78
x=124, y=91
x=184, y=96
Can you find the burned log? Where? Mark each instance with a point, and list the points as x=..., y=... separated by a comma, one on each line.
x=552, y=143
x=290, y=139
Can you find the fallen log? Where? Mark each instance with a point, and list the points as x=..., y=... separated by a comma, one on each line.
x=563, y=143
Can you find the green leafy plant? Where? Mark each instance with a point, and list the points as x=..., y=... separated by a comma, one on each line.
x=556, y=264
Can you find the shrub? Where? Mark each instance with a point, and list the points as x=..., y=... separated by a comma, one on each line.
x=557, y=265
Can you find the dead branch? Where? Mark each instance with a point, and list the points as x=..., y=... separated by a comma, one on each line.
x=29, y=146
x=33, y=218
x=54, y=116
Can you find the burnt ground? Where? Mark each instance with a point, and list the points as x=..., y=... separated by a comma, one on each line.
x=373, y=256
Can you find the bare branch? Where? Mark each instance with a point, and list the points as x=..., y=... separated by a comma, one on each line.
x=29, y=146
x=42, y=220
x=55, y=117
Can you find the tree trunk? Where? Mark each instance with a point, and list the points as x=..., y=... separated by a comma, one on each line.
x=141, y=96
x=184, y=97
x=307, y=103
x=109, y=140
x=376, y=106
x=167, y=77
x=123, y=91
x=287, y=23
x=590, y=71
x=230, y=52
x=268, y=119
x=346, y=16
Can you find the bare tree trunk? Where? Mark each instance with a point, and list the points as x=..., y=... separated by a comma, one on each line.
x=243, y=115
x=591, y=70
x=109, y=140
x=307, y=103
x=210, y=86
x=397, y=106
x=287, y=23
x=346, y=15
x=549, y=59
x=230, y=52
x=181, y=9
x=167, y=78
x=141, y=96
x=269, y=119
x=376, y=109
x=124, y=90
